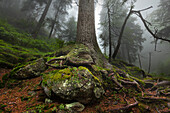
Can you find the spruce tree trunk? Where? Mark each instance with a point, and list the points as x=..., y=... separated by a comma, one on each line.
x=86, y=24
x=37, y=28
x=86, y=32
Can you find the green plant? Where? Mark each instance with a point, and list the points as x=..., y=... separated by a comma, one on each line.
x=61, y=107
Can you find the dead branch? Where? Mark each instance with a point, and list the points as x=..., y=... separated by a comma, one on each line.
x=146, y=26
x=146, y=8
x=126, y=108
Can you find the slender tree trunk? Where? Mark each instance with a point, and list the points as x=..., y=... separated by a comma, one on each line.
x=86, y=32
x=54, y=21
x=149, y=68
x=53, y=24
x=54, y=33
x=121, y=34
x=37, y=28
x=110, y=39
x=140, y=64
x=128, y=54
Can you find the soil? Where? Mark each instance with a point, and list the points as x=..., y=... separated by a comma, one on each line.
x=28, y=95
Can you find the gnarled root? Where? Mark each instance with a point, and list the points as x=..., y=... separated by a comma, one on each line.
x=134, y=83
x=163, y=83
x=154, y=99
x=61, y=66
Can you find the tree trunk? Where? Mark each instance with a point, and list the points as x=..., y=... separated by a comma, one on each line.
x=86, y=25
x=37, y=28
x=121, y=34
x=54, y=21
x=53, y=24
x=128, y=54
x=86, y=32
x=149, y=68
x=110, y=40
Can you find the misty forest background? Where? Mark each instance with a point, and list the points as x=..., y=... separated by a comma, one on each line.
x=21, y=40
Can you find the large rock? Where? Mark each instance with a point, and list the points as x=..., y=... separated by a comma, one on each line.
x=31, y=70
x=73, y=84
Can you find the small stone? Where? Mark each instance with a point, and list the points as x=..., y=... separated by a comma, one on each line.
x=32, y=93
x=76, y=106
x=48, y=101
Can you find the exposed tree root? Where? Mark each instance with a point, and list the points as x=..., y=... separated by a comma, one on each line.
x=134, y=83
x=61, y=64
x=126, y=108
x=124, y=97
x=165, y=94
x=155, y=99
x=115, y=80
x=79, y=63
x=163, y=83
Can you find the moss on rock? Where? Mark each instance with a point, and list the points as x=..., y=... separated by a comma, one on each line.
x=29, y=70
x=73, y=83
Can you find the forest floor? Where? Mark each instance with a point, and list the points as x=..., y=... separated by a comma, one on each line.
x=28, y=95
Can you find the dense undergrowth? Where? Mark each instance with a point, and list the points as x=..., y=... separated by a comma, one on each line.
x=17, y=47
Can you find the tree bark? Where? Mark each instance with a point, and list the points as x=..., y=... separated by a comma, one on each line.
x=149, y=68
x=110, y=40
x=40, y=22
x=86, y=32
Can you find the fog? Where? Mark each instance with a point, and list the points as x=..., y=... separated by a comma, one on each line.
x=162, y=53
x=158, y=57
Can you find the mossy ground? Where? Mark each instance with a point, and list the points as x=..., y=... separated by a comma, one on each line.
x=16, y=98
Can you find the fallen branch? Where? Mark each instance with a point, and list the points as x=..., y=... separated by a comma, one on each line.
x=126, y=108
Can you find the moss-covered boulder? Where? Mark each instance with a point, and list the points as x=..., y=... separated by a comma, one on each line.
x=30, y=70
x=73, y=84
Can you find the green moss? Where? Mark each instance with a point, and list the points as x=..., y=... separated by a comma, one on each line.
x=58, y=75
x=14, y=70
x=61, y=107
x=84, y=68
